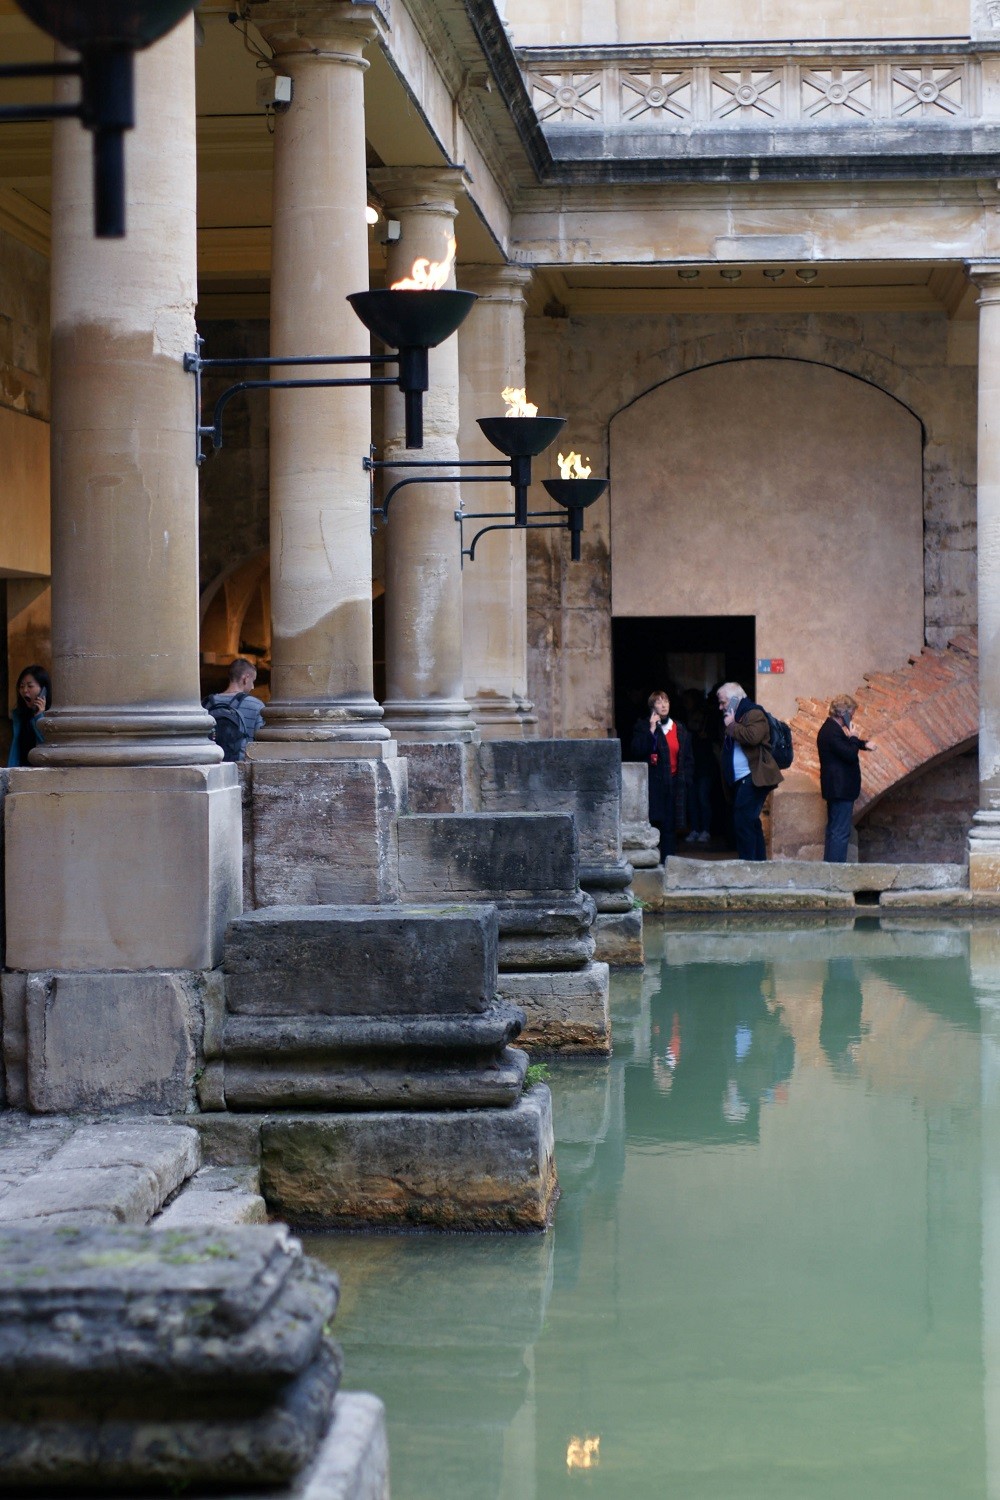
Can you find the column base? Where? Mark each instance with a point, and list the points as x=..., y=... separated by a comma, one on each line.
x=121, y=867
x=444, y=720
x=322, y=720
x=475, y=1169
x=499, y=718
x=618, y=938
x=162, y=734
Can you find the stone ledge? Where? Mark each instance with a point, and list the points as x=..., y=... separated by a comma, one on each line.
x=750, y=900
x=802, y=874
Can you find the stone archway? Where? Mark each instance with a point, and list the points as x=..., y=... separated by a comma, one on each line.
x=236, y=621
x=780, y=489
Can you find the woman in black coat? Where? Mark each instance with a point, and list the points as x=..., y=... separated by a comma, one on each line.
x=839, y=775
x=665, y=746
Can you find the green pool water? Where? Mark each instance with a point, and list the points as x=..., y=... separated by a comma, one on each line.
x=775, y=1264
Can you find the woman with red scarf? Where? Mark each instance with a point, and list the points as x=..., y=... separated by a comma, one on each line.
x=665, y=746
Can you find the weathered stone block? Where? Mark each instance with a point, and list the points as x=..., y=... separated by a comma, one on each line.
x=566, y=1012
x=497, y=856
x=99, y=1042
x=75, y=902
x=216, y=1198
x=328, y=1084
x=329, y=818
x=354, y=961
x=164, y=1361
x=442, y=777
x=471, y=1169
x=582, y=777
x=618, y=938
x=13, y=1024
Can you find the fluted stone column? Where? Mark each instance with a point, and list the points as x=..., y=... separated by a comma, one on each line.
x=494, y=587
x=123, y=837
x=984, y=839
x=322, y=697
x=425, y=699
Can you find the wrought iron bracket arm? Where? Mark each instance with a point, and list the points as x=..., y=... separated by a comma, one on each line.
x=195, y=364
x=506, y=525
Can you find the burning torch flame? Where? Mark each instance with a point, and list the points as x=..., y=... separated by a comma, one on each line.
x=583, y=1453
x=573, y=467
x=517, y=403
x=427, y=275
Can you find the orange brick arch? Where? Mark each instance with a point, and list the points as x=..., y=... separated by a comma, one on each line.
x=920, y=715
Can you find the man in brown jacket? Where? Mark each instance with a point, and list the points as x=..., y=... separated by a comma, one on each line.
x=748, y=767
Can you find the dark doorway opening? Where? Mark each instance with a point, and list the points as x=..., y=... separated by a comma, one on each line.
x=685, y=654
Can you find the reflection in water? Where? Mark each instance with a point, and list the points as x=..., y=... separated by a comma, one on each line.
x=764, y=1277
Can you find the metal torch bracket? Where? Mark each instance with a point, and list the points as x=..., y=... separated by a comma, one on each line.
x=195, y=365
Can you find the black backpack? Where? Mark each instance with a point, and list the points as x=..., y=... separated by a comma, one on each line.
x=781, y=742
x=230, y=731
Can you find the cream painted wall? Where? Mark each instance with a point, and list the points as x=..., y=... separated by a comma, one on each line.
x=779, y=489
x=593, y=22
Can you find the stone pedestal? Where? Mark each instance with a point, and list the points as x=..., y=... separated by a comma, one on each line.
x=136, y=1361
x=119, y=887
x=325, y=830
x=525, y=864
x=386, y=1022
x=582, y=777
x=640, y=840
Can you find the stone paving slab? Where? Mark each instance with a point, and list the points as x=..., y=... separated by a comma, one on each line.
x=60, y=1171
x=216, y=1197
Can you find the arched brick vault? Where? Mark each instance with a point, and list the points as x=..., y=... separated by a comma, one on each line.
x=920, y=715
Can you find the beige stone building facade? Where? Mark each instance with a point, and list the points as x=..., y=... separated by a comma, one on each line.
x=757, y=273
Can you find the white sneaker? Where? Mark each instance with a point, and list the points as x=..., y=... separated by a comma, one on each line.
x=692, y=838
x=703, y=838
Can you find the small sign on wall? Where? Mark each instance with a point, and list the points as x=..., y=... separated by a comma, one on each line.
x=766, y=664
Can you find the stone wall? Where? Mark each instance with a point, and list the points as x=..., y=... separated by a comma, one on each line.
x=927, y=819
x=589, y=369
x=562, y=22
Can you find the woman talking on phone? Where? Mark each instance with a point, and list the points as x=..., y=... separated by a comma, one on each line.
x=665, y=746
x=34, y=696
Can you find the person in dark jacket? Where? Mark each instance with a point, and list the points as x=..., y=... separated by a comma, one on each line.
x=665, y=746
x=839, y=775
x=749, y=770
x=34, y=697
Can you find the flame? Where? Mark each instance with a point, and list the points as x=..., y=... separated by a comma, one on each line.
x=517, y=403
x=574, y=467
x=583, y=1453
x=427, y=275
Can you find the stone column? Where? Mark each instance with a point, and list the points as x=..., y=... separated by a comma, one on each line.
x=494, y=587
x=123, y=838
x=322, y=701
x=984, y=839
x=424, y=669
x=326, y=783
x=124, y=480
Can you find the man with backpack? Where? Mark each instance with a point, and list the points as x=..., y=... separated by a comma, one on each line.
x=749, y=770
x=237, y=715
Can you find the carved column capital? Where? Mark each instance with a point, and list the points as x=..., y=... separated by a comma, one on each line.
x=309, y=31
x=497, y=283
x=986, y=275
x=427, y=189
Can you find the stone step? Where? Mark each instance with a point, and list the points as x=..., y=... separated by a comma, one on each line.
x=319, y=1084
x=493, y=856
